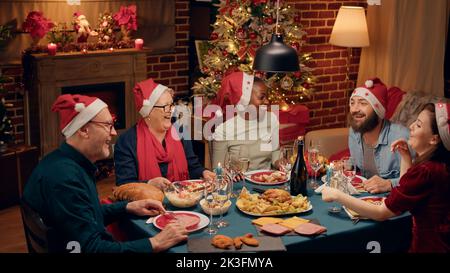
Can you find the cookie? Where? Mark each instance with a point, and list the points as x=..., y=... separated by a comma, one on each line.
x=249, y=240
x=222, y=241
x=237, y=242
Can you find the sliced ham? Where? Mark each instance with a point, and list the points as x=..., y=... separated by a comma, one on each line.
x=275, y=229
x=309, y=229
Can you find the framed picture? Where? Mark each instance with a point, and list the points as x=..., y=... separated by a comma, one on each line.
x=201, y=48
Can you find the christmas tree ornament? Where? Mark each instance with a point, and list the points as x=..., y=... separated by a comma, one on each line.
x=286, y=83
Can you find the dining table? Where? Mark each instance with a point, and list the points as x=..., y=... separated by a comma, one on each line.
x=343, y=234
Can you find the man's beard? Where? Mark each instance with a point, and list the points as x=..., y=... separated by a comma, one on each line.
x=366, y=126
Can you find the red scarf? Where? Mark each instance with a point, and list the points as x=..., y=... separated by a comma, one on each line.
x=150, y=152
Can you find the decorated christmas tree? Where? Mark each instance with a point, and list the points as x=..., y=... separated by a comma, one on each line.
x=241, y=27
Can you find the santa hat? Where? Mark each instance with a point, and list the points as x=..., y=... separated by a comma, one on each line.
x=236, y=89
x=75, y=111
x=443, y=122
x=375, y=92
x=146, y=94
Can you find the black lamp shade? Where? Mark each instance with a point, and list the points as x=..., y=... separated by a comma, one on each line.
x=276, y=57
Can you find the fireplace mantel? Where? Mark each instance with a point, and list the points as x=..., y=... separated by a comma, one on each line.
x=49, y=74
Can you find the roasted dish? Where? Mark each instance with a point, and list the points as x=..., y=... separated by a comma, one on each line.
x=136, y=191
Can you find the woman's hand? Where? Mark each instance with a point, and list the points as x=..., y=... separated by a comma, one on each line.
x=401, y=146
x=145, y=207
x=209, y=175
x=160, y=182
x=330, y=194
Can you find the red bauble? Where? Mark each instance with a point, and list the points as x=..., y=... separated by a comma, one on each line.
x=295, y=46
x=297, y=74
x=225, y=53
x=306, y=85
x=269, y=20
x=241, y=34
x=253, y=35
x=214, y=36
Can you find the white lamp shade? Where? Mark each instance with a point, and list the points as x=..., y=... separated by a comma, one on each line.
x=350, y=28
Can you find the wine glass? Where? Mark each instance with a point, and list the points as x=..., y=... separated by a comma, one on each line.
x=349, y=168
x=208, y=193
x=286, y=161
x=244, y=162
x=221, y=195
x=315, y=163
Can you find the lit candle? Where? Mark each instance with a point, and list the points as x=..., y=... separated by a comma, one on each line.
x=84, y=51
x=218, y=169
x=139, y=44
x=111, y=49
x=51, y=49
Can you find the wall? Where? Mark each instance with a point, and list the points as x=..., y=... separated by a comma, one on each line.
x=172, y=69
x=327, y=108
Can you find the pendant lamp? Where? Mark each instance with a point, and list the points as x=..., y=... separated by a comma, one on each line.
x=276, y=56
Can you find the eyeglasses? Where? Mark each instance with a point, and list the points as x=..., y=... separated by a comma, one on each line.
x=166, y=108
x=108, y=124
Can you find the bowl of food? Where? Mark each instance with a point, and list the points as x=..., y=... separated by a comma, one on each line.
x=215, y=208
x=182, y=198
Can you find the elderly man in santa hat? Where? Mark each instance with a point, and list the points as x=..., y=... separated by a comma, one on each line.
x=371, y=136
x=62, y=187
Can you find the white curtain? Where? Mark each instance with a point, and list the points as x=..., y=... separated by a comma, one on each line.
x=407, y=45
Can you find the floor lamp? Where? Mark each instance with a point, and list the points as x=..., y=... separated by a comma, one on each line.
x=350, y=30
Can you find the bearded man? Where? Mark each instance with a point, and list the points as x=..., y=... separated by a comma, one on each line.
x=371, y=136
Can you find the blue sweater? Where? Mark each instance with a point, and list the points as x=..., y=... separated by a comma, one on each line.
x=126, y=164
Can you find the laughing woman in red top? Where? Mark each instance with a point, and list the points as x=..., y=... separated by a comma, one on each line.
x=424, y=188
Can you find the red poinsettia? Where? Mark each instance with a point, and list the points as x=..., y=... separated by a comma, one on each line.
x=126, y=17
x=37, y=25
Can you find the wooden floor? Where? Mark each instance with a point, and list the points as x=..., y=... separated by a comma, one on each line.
x=12, y=238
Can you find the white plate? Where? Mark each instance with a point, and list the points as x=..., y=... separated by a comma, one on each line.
x=250, y=173
x=362, y=198
x=324, y=178
x=204, y=220
x=276, y=214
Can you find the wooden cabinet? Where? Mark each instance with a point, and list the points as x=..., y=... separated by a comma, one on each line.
x=16, y=165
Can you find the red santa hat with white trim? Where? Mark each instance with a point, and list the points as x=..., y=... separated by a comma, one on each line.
x=236, y=89
x=146, y=94
x=75, y=111
x=375, y=92
x=443, y=122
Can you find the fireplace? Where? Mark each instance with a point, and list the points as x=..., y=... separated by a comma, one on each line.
x=112, y=94
x=110, y=76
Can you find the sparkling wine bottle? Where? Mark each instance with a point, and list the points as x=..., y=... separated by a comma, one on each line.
x=299, y=173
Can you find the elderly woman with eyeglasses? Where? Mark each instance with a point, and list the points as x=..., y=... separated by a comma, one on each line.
x=152, y=151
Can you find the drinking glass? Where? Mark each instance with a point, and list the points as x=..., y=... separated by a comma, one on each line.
x=285, y=162
x=231, y=165
x=244, y=162
x=315, y=163
x=221, y=196
x=208, y=193
x=349, y=168
x=336, y=166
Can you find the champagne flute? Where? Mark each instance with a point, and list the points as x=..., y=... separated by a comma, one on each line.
x=208, y=193
x=285, y=162
x=231, y=163
x=244, y=162
x=315, y=163
x=221, y=196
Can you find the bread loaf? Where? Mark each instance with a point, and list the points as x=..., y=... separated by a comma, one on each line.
x=137, y=191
